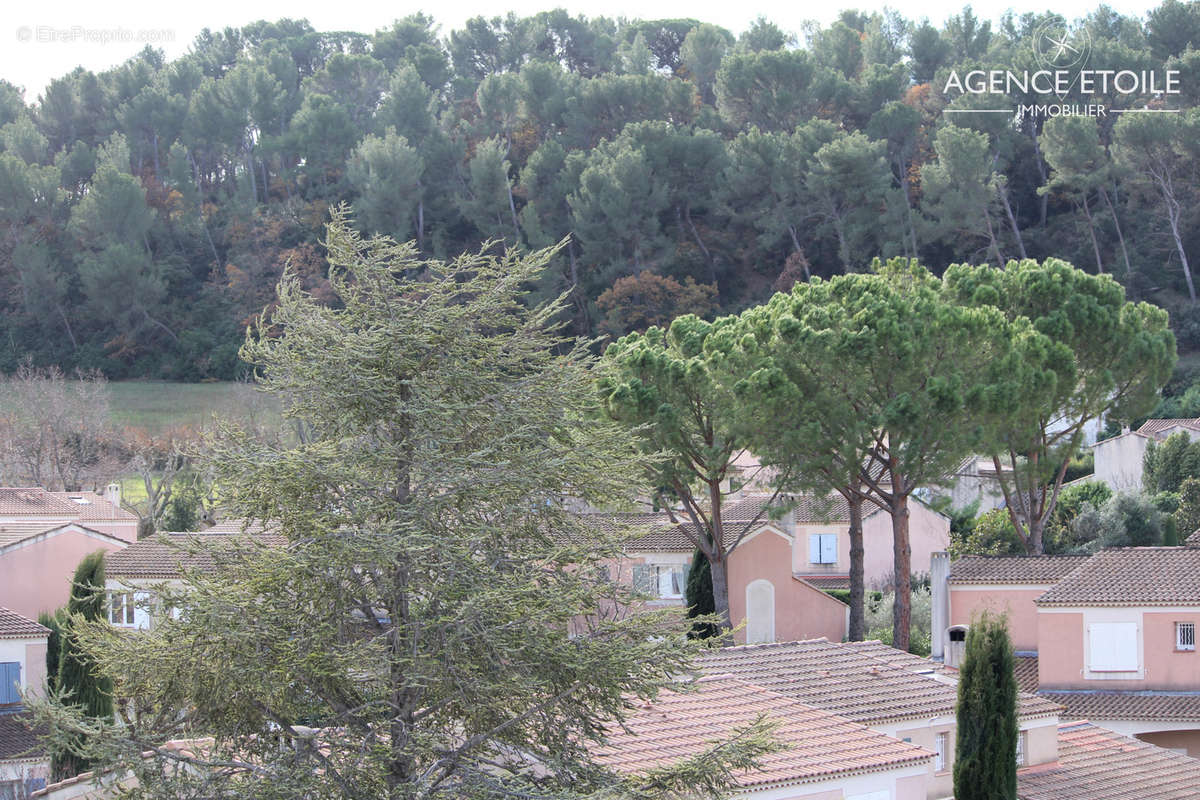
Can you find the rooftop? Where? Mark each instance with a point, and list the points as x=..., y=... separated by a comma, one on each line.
x=15, y=626
x=1123, y=576
x=816, y=744
x=1097, y=764
x=17, y=740
x=1153, y=427
x=1035, y=570
x=861, y=682
x=1156, y=706
x=169, y=555
x=37, y=502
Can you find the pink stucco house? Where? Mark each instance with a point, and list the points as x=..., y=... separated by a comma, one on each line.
x=43, y=536
x=785, y=558
x=1111, y=637
x=23, y=764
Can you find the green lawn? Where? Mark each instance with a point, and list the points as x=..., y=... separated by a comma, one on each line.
x=155, y=406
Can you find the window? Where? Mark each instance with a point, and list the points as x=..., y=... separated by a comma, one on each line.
x=129, y=609
x=665, y=581
x=822, y=548
x=1185, y=636
x=1021, y=749
x=939, y=752
x=10, y=682
x=1113, y=647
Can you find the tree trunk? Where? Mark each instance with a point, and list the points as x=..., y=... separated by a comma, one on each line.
x=902, y=559
x=1120, y=236
x=1168, y=193
x=858, y=623
x=720, y=584
x=1012, y=221
x=1087, y=212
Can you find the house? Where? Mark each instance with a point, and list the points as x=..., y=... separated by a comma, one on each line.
x=823, y=756
x=893, y=693
x=43, y=537
x=24, y=768
x=135, y=576
x=785, y=558
x=974, y=481
x=1118, y=460
x=1110, y=637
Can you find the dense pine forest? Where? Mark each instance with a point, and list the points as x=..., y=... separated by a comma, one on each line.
x=147, y=212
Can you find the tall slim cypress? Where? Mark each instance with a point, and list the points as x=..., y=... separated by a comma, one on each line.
x=985, y=764
x=53, y=644
x=77, y=674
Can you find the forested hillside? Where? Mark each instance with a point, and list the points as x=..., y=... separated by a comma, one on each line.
x=146, y=213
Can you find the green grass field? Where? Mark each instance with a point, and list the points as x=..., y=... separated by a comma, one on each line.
x=155, y=406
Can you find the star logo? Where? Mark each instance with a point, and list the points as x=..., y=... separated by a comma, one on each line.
x=1058, y=47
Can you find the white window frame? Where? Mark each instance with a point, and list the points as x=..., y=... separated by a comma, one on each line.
x=1185, y=636
x=822, y=548
x=939, y=751
x=1021, y=748
x=658, y=573
x=133, y=610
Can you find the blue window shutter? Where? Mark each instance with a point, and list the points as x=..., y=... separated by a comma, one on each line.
x=10, y=681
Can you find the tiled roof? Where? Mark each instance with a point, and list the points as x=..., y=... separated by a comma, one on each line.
x=846, y=680
x=15, y=626
x=1153, y=427
x=1025, y=669
x=816, y=744
x=650, y=532
x=91, y=506
x=21, y=502
x=897, y=658
x=17, y=741
x=1138, y=705
x=1193, y=540
x=825, y=581
x=13, y=532
x=1036, y=570
x=166, y=557
x=1152, y=576
x=1097, y=764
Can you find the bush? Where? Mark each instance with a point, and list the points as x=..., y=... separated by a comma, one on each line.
x=1082, y=465
x=1125, y=520
x=1168, y=464
x=992, y=534
x=1071, y=501
x=879, y=617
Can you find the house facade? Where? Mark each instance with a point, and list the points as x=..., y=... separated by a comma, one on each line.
x=1111, y=637
x=24, y=767
x=1118, y=460
x=43, y=537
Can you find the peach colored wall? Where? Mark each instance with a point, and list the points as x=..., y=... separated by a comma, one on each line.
x=1186, y=740
x=801, y=611
x=37, y=577
x=831, y=794
x=1060, y=651
x=928, y=532
x=122, y=530
x=1166, y=667
x=800, y=554
x=966, y=602
x=911, y=788
x=1041, y=744
x=35, y=666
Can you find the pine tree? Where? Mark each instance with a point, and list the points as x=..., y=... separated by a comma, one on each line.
x=78, y=678
x=985, y=764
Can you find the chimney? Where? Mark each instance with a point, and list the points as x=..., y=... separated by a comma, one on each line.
x=939, y=580
x=112, y=493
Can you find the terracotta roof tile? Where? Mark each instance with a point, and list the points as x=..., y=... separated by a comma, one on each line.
x=17, y=740
x=1036, y=570
x=1025, y=668
x=166, y=557
x=15, y=626
x=1154, y=576
x=34, y=501
x=1193, y=540
x=1097, y=764
x=1136, y=705
x=91, y=506
x=1153, y=427
x=849, y=680
x=13, y=532
x=816, y=744
x=825, y=581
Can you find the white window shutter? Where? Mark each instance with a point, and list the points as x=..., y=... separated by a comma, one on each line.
x=1113, y=646
x=829, y=548
x=814, y=548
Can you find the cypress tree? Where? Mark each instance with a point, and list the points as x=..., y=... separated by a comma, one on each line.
x=985, y=764
x=77, y=675
x=53, y=644
x=699, y=596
